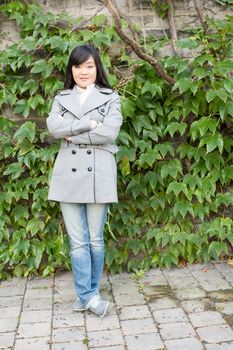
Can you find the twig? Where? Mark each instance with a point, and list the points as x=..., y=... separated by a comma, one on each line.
x=133, y=44
x=170, y=17
x=200, y=15
x=82, y=24
x=144, y=35
x=134, y=33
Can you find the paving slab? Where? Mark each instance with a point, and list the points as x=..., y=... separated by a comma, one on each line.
x=225, y=308
x=150, y=341
x=8, y=324
x=197, y=305
x=164, y=302
x=10, y=311
x=33, y=343
x=74, y=319
x=143, y=325
x=105, y=338
x=37, y=304
x=68, y=334
x=190, y=293
x=222, y=346
x=176, y=330
x=170, y=315
x=134, y=312
x=7, y=340
x=206, y=318
x=32, y=316
x=69, y=346
x=187, y=308
x=184, y=343
x=100, y=324
x=215, y=334
x=31, y=330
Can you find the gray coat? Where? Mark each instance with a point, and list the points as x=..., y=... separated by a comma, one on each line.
x=85, y=167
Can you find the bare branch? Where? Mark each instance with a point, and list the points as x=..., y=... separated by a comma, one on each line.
x=200, y=15
x=170, y=17
x=133, y=44
x=83, y=23
x=134, y=33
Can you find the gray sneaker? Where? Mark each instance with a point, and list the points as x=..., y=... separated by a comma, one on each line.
x=98, y=306
x=78, y=306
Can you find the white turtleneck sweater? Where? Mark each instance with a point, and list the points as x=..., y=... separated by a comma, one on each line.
x=83, y=94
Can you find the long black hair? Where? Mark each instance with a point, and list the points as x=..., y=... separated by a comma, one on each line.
x=79, y=55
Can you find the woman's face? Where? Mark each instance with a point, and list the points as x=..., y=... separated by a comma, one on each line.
x=85, y=73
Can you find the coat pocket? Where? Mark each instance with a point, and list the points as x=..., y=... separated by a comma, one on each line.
x=98, y=114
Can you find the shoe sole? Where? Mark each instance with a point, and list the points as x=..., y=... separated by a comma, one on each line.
x=105, y=310
x=78, y=310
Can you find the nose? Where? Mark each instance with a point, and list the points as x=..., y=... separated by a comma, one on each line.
x=83, y=71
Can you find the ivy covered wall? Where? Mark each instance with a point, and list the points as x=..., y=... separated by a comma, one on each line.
x=175, y=147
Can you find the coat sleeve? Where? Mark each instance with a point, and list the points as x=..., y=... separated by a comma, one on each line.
x=108, y=131
x=60, y=127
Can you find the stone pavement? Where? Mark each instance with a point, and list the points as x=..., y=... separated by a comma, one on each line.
x=188, y=308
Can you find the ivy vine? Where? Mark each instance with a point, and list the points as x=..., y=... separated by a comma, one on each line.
x=175, y=147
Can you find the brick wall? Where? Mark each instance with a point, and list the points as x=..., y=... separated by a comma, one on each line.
x=139, y=11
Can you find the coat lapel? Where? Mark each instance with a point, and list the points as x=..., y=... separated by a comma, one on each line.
x=71, y=102
x=97, y=97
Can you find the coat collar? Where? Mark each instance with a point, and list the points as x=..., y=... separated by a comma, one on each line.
x=70, y=100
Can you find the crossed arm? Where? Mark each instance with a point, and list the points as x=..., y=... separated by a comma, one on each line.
x=85, y=130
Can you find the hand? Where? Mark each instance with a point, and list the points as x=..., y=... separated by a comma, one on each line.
x=93, y=124
x=67, y=138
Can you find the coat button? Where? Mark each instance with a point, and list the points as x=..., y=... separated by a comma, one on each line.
x=88, y=151
x=89, y=169
x=74, y=169
x=63, y=109
x=102, y=110
x=73, y=151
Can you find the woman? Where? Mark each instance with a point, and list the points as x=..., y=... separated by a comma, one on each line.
x=87, y=118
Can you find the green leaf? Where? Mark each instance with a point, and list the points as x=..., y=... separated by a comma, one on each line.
x=135, y=246
x=42, y=66
x=150, y=157
x=25, y=147
x=174, y=127
x=201, y=127
x=20, y=212
x=22, y=106
x=177, y=188
x=140, y=122
x=153, y=88
x=183, y=85
x=212, y=142
x=190, y=43
x=164, y=149
x=125, y=166
x=210, y=95
x=127, y=107
x=28, y=43
x=26, y=131
x=14, y=169
x=36, y=100
x=217, y=248
x=34, y=226
x=183, y=208
x=227, y=174
x=171, y=168
x=30, y=85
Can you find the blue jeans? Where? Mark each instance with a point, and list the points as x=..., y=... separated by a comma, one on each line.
x=85, y=225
